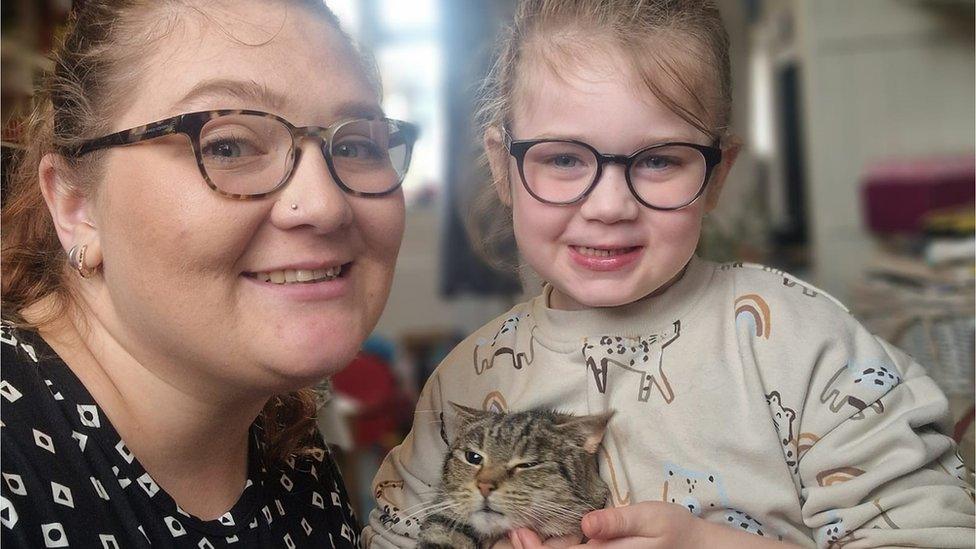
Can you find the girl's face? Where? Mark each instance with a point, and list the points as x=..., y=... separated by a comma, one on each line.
x=184, y=283
x=607, y=249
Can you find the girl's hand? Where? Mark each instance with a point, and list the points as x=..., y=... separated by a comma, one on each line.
x=510, y=543
x=650, y=524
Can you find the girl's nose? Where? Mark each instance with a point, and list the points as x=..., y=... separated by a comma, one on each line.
x=611, y=200
x=312, y=198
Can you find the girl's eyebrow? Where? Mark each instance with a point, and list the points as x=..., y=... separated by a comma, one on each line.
x=646, y=141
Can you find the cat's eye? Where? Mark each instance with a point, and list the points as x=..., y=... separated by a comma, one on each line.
x=526, y=465
x=474, y=458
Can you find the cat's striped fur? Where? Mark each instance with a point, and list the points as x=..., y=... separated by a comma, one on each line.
x=535, y=469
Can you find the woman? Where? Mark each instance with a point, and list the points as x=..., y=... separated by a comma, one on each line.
x=206, y=222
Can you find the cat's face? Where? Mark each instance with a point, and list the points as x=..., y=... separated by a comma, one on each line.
x=533, y=469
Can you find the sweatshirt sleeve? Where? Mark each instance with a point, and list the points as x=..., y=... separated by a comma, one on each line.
x=876, y=467
x=409, y=475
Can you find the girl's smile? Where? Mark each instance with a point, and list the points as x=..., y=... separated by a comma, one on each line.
x=605, y=258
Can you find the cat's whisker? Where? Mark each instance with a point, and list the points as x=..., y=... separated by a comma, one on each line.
x=430, y=509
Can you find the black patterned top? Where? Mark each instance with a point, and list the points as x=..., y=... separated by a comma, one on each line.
x=69, y=480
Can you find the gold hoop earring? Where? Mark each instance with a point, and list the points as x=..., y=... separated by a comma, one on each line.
x=76, y=258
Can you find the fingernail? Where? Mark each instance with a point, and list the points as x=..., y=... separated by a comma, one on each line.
x=591, y=523
x=516, y=540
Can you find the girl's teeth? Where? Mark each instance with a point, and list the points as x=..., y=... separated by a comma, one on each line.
x=597, y=252
x=289, y=276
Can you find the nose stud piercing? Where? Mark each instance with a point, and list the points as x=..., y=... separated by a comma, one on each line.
x=294, y=207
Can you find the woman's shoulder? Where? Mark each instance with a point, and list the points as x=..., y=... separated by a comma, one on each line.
x=21, y=345
x=24, y=355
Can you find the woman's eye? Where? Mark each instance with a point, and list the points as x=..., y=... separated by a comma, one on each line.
x=356, y=149
x=230, y=149
x=474, y=458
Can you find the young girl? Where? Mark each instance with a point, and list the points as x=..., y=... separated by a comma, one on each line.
x=750, y=406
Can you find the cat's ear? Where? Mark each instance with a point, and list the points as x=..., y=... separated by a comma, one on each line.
x=592, y=428
x=466, y=414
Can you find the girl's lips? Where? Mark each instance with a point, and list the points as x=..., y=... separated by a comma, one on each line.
x=604, y=259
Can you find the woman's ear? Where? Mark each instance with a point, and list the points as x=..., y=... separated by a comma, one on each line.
x=70, y=210
x=729, y=153
x=498, y=164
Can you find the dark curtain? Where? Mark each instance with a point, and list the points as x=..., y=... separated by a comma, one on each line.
x=470, y=28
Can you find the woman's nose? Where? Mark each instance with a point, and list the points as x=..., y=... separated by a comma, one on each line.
x=312, y=198
x=611, y=200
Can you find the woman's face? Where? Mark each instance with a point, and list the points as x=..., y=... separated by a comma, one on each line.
x=179, y=290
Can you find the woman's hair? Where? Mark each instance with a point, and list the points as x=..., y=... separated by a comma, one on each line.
x=678, y=50
x=103, y=48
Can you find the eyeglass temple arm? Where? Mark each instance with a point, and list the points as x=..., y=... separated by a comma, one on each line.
x=127, y=137
x=406, y=134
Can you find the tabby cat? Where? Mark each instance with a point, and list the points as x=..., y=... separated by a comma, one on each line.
x=534, y=469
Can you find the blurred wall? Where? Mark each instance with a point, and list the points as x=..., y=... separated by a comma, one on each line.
x=881, y=78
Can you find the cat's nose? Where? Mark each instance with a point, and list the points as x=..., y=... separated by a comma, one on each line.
x=486, y=488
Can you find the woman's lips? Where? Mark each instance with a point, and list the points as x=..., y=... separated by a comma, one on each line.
x=604, y=259
x=304, y=284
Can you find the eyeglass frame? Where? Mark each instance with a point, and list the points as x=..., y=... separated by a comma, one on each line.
x=518, y=147
x=192, y=123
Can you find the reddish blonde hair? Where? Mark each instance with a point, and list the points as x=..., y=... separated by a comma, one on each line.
x=102, y=48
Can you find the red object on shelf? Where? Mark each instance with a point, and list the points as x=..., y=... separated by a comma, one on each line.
x=896, y=194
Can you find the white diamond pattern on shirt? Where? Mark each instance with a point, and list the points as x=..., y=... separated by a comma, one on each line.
x=62, y=494
x=89, y=415
x=60, y=445
x=15, y=484
x=9, y=392
x=8, y=515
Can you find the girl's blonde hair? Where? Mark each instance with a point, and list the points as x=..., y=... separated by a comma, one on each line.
x=677, y=50
x=101, y=53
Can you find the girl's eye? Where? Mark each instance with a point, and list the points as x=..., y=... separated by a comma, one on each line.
x=658, y=162
x=474, y=458
x=565, y=161
x=526, y=465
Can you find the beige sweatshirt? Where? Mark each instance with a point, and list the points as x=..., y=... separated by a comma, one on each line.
x=749, y=397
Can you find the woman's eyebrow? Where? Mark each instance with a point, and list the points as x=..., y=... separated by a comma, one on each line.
x=247, y=91
x=251, y=92
x=357, y=109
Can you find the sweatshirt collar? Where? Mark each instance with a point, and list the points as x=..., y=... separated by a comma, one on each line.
x=649, y=315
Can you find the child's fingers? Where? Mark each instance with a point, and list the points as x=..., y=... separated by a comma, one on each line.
x=503, y=543
x=527, y=539
x=641, y=519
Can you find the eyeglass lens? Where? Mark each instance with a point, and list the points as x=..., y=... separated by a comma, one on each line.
x=668, y=176
x=247, y=154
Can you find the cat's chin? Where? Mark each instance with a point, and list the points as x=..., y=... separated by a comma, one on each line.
x=490, y=523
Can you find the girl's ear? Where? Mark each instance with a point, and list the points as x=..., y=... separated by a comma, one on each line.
x=498, y=164
x=729, y=153
x=70, y=211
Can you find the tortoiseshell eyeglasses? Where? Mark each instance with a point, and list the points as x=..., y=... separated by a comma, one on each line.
x=248, y=154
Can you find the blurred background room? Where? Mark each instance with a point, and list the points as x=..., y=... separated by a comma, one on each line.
x=857, y=174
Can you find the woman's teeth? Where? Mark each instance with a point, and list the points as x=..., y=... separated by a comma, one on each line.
x=291, y=276
x=599, y=252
